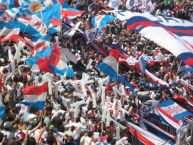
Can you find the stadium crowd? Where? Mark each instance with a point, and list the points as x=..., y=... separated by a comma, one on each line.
x=65, y=119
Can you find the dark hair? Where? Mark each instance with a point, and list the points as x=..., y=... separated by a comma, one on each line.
x=31, y=141
x=1, y=136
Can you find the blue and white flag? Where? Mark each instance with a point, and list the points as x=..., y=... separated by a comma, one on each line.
x=115, y=4
x=101, y=21
x=91, y=34
x=5, y=5
x=72, y=31
x=184, y=68
x=143, y=5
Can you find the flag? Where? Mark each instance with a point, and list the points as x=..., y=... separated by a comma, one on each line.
x=182, y=28
x=115, y=4
x=145, y=136
x=101, y=21
x=13, y=33
x=57, y=65
x=6, y=4
x=40, y=21
x=141, y=66
x=143, y=5
x=69, y=12
x=173, y=113
x=183, y=68
x=72, y=31
x=43, y=53
x=91, y=34
x=109, y=66
x=35, y=95
x=179, y=32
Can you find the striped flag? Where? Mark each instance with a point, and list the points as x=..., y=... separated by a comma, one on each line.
x=35, y=95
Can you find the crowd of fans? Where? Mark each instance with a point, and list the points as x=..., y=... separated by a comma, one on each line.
x=60, y=123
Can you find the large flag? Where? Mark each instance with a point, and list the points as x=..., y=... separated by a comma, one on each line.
x=35, y=95
x=144, y=136
x=115, y=4
x=181, y=28
x=57, y=65
x=101, y=21
x=179, y=32
x=173, y=113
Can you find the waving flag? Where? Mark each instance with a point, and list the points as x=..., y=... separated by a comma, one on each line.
x=172, y=113
x=71, y=31
x=44, y=53
x=101, y=21
x=35, y=95
x=91, y=34
x=110, y=65
x=177, y=31
x=141, y=66
x=115, y=4
x=181, y=28
x=144, y=136
x=70, y=13
x=143, y=5
x=56, y=63
x=6, y=4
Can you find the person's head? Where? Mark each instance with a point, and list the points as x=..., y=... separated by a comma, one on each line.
x=31, y=141
x=1, y=136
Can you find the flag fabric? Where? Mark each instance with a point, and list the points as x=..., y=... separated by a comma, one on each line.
x=101, y=21
x=72, y=31
x=141, y=66
x=172, y=113
x=36, y=24
x=68, y=12
x=91, y=34
x=114, y=4
x=35, y=95
x=43, y=53
x=183, y=68
x=6, y=4
x=109, y=66
x=143, y=5
x=182, y=28
x=57, y=65
x=175, y=30
x=144, y=136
